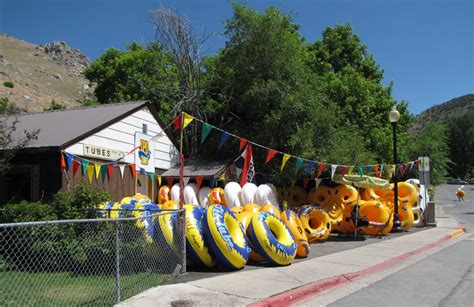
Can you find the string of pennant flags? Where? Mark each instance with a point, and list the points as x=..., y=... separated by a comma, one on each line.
x=377, y=169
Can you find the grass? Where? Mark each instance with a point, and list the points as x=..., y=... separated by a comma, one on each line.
x=43, y=288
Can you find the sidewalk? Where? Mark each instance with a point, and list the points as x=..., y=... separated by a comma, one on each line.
x=288, y=285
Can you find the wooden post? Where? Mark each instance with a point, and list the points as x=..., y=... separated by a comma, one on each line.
x=181, y=166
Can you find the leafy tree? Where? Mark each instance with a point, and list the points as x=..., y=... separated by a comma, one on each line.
x=9, y=142
x=432, y=142
x=461, y=145
x=138, y=73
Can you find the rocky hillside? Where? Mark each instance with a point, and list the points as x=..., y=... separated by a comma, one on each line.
x=32, y=76
x=452, y=108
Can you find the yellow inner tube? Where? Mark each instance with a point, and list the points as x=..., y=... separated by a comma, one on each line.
x=316, y=223
x=298, y=197
x=379, y=216
x=196, y=246
x=272, y=238
x=216, y=197
x=163, y=194
x=270, y=208
x=294, y=224
x=245, y=218
x=226, y=237
x=406, y=217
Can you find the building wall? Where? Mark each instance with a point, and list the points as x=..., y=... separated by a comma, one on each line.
x=121, y=136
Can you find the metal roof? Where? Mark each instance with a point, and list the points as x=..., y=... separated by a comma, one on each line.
x=63, y=127
x=197, y=167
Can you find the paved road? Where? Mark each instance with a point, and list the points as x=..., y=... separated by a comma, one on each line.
x=444, y=279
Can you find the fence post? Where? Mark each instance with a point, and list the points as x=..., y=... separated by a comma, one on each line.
x=184, y=242
x=117, y=261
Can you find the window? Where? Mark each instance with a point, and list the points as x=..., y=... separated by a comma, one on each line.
x=144, y=128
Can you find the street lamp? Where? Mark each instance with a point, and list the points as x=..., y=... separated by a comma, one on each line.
x=394, y=117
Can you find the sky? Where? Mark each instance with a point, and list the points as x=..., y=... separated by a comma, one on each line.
x=425, y=47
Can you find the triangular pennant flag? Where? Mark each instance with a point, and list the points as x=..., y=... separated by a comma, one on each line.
x=407, y=166
x=133, y=170
x=159, y=181
x=271, y=154
x=305, y=182
x=212, y=182
x=343, y=170
x=299, y=164
x=75, y=167
x=283, y=162
x=152, y=177
x=381, y=170
x=333, y=170
x=321, y=169
x=97, y=170
x=185, y=181
x=103, y=172
x=84, y=164
x=377, y=172
x=199, y=181
x=206, y=129
x=110, y=170
x=400, y=168
x=361, y=170
x=90, y=173
x=69, y=159
x=225, y=136
x=63, y=162
x=368, y=168
x=187, y=119
x=122, y=170
x=393, y=168
x=412, y=164
x=308, y=168
x=143, y=171
x=169, y=180
x=177, y=122
x=417, y=166
x=351, y=170
x=243, y=142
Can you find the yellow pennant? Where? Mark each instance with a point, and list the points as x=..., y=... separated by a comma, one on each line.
x=285, y=159
x=97, y=170
x=351, y=169
x=159, y=181
x=187, y=119
x=390, y=170
x=90, y=173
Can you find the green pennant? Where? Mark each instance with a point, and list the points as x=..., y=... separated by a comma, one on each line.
x=103, y=172
x=361, y=170
x=84, y=164
x=206, y=129
x=299, y=163
x=152, y=177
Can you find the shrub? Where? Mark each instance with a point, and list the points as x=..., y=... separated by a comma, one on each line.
x=27, y=212
x=9, y=84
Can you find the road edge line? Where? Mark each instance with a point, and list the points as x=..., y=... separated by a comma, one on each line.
x=316, y=288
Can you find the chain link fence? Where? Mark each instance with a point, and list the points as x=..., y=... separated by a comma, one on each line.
x=89, y=262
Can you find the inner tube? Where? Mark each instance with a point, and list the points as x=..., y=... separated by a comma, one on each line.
x=232, y=192
x=167, y=236
x=270, y=208
x=237, y=210
x=204, y=196
x=226, y=237
x=139, y=196
x=244, y=218
x=247, y=194
x=379, y=217
x=406, y=217
x=294, y=224
x=175, y=191
x=251, y=208
x=196, y=246
x=407, y=194
x=190, y=194
x=298, y=197
x=265, y=195
x=272, y=238
x=163, y=194
x=217, y=197
x=316, y=223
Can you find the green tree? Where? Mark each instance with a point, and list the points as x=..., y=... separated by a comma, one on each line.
x=461, y=145
x=138, y=73
x=432, y=142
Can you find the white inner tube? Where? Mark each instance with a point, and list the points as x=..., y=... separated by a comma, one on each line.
x=231, y=192
x=248, y=193
x=204, y=196
x=265, y=195
x=190, y=194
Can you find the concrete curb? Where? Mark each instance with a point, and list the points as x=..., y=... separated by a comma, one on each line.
x=317, y=288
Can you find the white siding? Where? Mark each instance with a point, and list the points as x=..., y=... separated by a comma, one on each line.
x=121, y=136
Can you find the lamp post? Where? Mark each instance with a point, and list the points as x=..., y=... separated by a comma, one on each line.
x=394, y=117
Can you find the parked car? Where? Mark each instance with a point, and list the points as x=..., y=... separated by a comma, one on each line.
x=456, y=181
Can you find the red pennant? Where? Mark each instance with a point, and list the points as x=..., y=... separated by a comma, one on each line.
x=377, y=172
x=343, y=170
x=63, y=162
x=416, y=162
x=320, y=169
x=170, y=181
x=134, y=171
x=243, y=142
x=271, y=154
x=177, y=122
x=110, y=170
x=305, y=182
x=75, y=167
x=199, y=181
x=401, y=169
x=407, y=166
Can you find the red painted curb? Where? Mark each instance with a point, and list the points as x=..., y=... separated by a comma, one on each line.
x=316, y=288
